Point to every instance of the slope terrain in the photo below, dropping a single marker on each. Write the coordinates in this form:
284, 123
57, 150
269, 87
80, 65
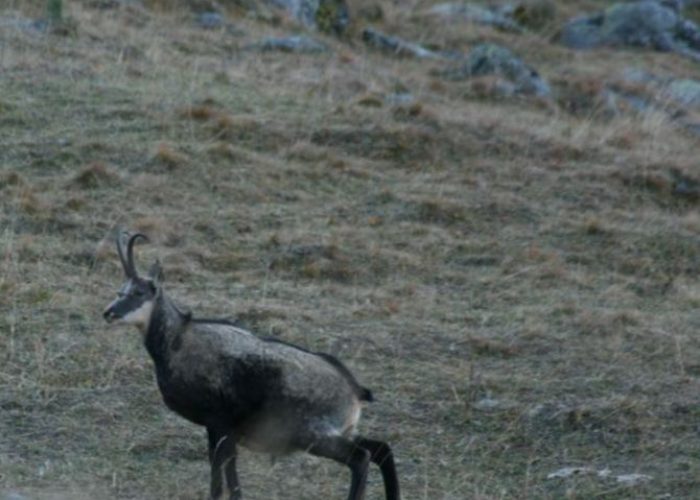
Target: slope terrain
514, 276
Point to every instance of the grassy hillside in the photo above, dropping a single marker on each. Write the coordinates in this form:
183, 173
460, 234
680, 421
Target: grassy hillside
517, 283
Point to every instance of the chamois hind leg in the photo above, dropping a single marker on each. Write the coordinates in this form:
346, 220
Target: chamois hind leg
344, 451
212, 440
224, 479
381, 454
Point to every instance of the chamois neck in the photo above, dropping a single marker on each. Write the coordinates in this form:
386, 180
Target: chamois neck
164, 329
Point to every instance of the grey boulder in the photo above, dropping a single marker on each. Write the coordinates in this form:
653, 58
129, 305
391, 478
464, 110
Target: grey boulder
647, 23
300, 44
490, 59
397, 46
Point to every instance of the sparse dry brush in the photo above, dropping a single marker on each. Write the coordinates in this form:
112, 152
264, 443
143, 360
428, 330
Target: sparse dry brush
515, 279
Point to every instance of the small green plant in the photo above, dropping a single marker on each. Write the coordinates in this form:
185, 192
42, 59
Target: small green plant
54, 10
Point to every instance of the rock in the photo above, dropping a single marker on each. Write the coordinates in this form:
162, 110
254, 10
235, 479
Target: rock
24, 24
62, 27
684, 186
694, 128
602, 474
397, 46
488, 404
475, 14
300, 44
636, 75
633, 479
490, 59
680, 91
210, 20
328, 16
530, 14
114, 4
400, 99
646, 23
567, 472
13, 495
684, 91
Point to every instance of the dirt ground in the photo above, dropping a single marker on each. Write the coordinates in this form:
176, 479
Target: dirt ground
516, 283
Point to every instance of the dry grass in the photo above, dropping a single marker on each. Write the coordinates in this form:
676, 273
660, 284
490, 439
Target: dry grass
515, 281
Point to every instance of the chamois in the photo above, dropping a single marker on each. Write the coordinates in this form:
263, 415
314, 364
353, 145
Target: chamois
263, 394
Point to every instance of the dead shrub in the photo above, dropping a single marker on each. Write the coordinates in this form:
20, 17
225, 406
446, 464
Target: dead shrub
167, 157
95, 175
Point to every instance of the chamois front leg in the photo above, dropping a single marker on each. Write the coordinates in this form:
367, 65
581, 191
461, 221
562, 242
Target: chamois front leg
224, 478
346, 452
382, 455
212, 440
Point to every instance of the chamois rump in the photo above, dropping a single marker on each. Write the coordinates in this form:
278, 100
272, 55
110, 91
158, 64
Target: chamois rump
262, 394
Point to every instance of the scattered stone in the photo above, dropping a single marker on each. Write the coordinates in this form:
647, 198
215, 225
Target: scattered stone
24, 24
487, 404
211, 20
646, 23
603, 474
491, 404
477, 14
631, 90
684, 186
490, 59
397, 46
693, 127
567, 472
684, 91
636, 75
113, 4
300, 44
62, 27
13, 495
633, 479
400, 99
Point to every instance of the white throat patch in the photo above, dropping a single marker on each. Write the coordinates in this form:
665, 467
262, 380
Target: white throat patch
140, 317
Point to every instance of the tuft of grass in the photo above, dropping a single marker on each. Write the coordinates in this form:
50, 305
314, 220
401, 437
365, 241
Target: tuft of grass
538, 15
54, 10
167, 157
12, 179
95, 175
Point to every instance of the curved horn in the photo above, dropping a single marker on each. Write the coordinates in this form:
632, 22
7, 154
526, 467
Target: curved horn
121, 236
130, 252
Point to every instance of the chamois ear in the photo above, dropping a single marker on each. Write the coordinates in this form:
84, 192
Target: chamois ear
155, 272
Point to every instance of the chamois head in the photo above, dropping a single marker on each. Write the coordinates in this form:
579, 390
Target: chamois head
136, 298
